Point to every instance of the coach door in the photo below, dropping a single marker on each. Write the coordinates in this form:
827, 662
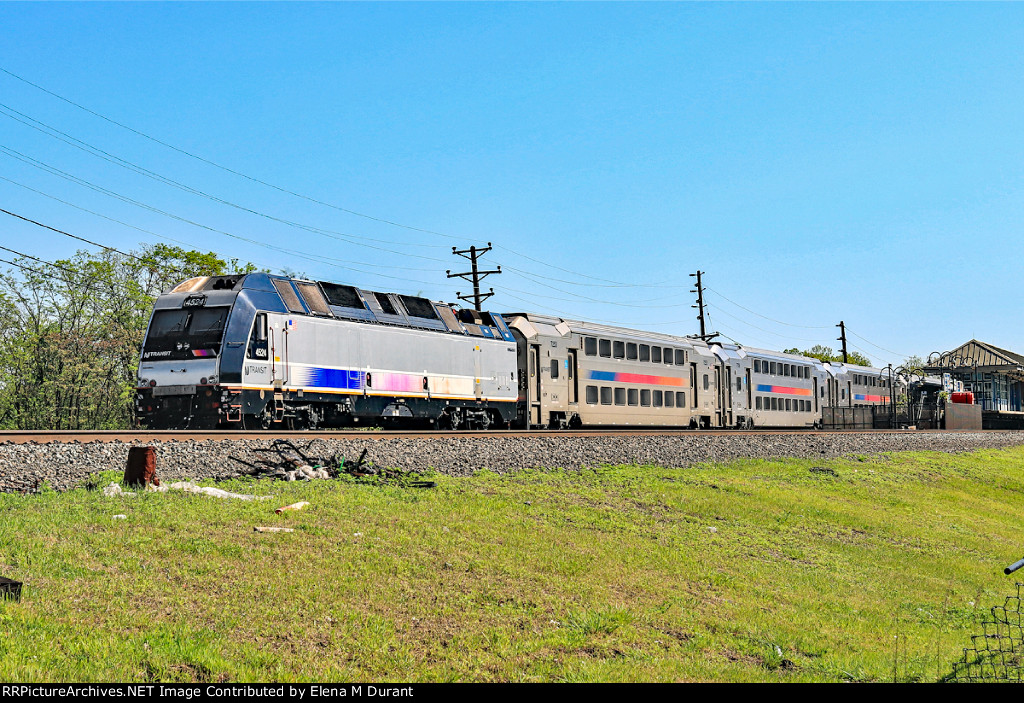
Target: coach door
725, 395
815, 394
574, 384
534, 384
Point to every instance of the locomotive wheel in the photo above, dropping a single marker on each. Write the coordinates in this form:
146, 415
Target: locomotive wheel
257, 423
454, 419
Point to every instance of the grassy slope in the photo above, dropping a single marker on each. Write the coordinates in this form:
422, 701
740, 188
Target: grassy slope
611, 574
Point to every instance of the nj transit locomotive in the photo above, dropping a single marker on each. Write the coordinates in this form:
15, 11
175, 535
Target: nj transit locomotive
260, 351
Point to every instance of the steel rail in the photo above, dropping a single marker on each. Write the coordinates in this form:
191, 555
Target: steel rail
84, 436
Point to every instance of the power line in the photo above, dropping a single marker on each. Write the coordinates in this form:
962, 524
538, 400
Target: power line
161, 236
779, 322
135, 168
100, 189
222, 167
890, 351
288, 191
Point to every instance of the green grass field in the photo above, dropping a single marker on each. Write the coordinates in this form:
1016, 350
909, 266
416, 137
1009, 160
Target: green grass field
749, 571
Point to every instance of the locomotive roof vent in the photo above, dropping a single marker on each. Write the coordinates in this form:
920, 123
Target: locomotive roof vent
208, 283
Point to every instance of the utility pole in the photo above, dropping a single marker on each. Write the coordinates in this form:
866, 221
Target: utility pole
842, 338
474, 276
700, 307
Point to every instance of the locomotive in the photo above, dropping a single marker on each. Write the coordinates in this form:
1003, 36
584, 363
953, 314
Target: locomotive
261, 351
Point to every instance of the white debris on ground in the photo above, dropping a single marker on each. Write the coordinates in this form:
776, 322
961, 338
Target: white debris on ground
114, 489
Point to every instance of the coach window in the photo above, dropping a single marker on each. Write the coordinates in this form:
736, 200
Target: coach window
618, 350
645, 352
789, 406
680, 357
554, 369
739, 384
590, 346
771, 368
592, 395
775, 403
658, 399
606, 395
680, 399
634, 396
645, 398
706, 384
668, 356
669, 399
631, 351
620, 396
655, 355
605, 346
757, 403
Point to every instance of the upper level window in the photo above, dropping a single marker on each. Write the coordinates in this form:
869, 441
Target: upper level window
656, 355
680, 357
619, 350
605, 346
631, 351
590, 346
645, 352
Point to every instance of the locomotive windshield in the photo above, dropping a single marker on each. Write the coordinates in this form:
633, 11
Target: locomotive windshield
185, 333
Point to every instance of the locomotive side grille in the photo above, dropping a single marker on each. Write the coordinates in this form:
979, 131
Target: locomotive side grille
291, 301
314, 298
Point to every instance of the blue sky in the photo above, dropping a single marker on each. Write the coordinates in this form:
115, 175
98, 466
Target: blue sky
820, 162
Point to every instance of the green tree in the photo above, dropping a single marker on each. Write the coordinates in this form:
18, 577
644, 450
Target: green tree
825, 354
72, 331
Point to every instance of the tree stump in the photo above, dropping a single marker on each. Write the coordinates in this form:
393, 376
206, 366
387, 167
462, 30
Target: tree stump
141, 468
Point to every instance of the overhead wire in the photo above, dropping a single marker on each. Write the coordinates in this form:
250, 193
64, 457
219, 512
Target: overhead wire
321, 258
308, 198
780, 322
157, 234
131, 166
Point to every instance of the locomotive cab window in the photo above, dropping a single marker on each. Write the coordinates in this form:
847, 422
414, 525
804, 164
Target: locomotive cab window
258, 339
174, 334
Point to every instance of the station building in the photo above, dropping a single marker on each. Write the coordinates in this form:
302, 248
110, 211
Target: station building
994, 375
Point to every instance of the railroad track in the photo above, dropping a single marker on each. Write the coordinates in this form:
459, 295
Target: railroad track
83, 436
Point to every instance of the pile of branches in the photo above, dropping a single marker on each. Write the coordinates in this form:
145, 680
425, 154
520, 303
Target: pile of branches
293, 463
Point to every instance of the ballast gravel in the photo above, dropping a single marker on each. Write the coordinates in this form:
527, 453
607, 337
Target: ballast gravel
26, 467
